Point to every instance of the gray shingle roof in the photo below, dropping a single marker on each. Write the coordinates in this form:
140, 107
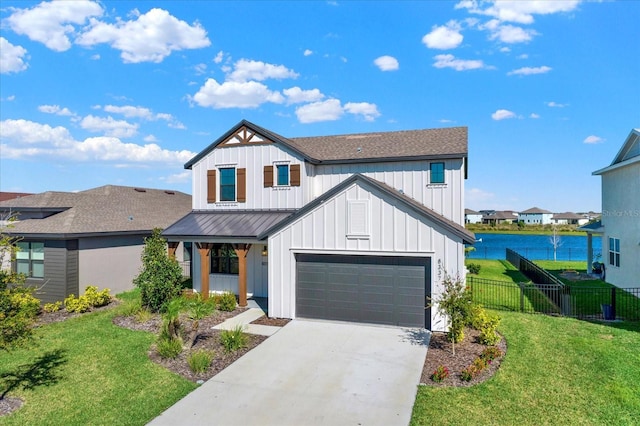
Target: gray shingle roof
106, 209
402, 145
536, 210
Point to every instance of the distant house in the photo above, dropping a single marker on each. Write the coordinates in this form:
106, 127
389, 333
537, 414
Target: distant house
569, 218
472, 216
94, 237
535, 216
500, 216
4, 196
621, 214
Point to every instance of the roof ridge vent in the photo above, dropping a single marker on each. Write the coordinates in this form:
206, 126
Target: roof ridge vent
139, 189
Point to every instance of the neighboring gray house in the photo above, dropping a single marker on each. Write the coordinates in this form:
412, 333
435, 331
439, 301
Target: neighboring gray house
94, 237
358, 227
620, 223
535, 216
472, 216
569, 218
494, 217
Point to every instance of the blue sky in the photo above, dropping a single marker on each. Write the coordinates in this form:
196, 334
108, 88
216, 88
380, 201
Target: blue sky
125, 92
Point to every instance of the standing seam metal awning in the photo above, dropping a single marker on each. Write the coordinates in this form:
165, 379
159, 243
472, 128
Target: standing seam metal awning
229, 223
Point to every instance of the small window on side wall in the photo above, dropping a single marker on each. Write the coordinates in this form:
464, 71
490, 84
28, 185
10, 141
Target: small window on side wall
282, 171
227, 184
614, 251
437, 173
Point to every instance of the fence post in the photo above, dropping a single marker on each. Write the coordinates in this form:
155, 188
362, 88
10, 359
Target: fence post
521, 285
613, 302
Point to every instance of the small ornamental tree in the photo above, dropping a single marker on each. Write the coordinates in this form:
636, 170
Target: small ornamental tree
18, 306
454, 302
160, 278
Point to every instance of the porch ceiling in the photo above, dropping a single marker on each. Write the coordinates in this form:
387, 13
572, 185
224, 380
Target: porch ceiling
228, 224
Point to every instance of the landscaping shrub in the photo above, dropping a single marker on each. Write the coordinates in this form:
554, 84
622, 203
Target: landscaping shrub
169, 347
131, 307
227, 301
200, 360
454, 302
143, 315
161, 276
77, 304
488, 329
491, 353
25, 302
97, 298
468, 373
18, 309
474, 268
440, 373
234, 339
52, 307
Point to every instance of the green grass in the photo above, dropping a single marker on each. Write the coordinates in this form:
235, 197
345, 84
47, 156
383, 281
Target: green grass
499, 270
557, 371
91, 372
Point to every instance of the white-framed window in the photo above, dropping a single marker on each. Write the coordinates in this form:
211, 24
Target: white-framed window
30, 259
437, 173
358, 219
614, 251
283, 176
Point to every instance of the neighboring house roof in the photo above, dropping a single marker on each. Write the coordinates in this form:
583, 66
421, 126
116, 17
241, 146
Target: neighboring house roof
363, 147
420, 209
469, 211
225, 224
501, 215
4, 196
105, 210
593, 227
567, 216
536, 210
628, 154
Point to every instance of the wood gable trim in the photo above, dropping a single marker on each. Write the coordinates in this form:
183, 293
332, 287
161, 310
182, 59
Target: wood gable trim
245, 136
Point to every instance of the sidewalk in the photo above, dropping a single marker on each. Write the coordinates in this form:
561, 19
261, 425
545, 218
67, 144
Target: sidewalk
244, 319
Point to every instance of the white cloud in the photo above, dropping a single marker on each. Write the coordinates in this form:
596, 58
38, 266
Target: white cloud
55, 109
511, 34
183, 177
553, 104
518, 11
444, 37
95, 57
42, 140
446, 120
450, 61
245, 70
233, 94
478, 196
12, 58
329, 110
308, 52
387, 63
296, 95
505, 49
150, 138
523, 56
200, 69
51, 23
149, 38
503, 114
534, 115
593, 139
130, 111
368, 111
219, 57
530, 70
109, 126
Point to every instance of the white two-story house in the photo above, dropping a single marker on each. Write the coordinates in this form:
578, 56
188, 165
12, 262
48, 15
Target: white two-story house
359, 227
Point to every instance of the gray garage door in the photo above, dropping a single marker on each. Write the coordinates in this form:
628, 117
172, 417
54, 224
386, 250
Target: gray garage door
372, 289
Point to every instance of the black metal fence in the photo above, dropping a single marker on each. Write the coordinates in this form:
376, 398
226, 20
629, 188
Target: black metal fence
577, 302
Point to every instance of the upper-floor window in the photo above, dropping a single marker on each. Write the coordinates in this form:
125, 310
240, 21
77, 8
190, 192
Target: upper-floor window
437, 172
224, 259
282, 171
30, 259
227, 184
614, 251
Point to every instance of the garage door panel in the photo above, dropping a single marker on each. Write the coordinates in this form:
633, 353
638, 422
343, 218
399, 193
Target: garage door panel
380, 290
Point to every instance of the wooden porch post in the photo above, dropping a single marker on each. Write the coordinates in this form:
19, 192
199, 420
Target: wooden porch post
241, 251
204, 249
173, 246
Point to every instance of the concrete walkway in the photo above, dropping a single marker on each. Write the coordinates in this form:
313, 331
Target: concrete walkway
244, 319
313, 373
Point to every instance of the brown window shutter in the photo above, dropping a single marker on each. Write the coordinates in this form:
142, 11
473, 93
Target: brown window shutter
211, 186
294, 178
268, 176
241, 182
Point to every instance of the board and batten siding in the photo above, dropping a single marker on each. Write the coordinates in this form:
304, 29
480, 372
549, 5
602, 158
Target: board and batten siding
256, 275
410, 177
253, 158
394, 230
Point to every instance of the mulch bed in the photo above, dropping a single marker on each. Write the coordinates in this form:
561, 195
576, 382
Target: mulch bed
469, 349
274, 322
44, 318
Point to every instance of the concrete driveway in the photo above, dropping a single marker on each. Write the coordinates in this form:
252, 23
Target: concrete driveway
313, 373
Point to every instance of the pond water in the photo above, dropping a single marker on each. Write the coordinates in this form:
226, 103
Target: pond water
534, 247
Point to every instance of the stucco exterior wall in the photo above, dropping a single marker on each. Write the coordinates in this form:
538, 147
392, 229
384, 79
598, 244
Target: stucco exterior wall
621, 219
394, 230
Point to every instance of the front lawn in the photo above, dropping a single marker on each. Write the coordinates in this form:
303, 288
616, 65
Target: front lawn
556, 371
87, 371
